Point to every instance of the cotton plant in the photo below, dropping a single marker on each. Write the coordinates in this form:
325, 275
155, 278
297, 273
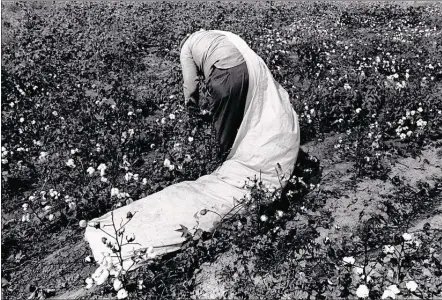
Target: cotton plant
111, 264
131, 176
372, 272
40, 206
115, 193
169, 165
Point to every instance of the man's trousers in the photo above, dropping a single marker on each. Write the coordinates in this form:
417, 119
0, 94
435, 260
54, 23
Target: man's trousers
228, 93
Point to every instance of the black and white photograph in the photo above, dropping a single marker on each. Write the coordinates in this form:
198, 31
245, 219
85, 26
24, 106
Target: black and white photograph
165, 149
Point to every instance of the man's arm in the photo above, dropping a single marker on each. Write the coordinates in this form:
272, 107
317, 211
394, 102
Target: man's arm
190, 75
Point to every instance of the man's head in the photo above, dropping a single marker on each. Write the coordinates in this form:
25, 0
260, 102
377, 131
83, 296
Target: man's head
176, 51
183, 41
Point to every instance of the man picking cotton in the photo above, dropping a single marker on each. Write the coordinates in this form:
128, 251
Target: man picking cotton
266, 145
213, 56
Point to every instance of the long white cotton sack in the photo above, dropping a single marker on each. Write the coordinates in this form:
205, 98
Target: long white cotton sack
268, 135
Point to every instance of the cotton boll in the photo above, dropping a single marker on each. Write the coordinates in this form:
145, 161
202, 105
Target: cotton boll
407, 237
411, 286
264, 218
388, 249
122, 294
394, 289
349, 260
388, 295
167, 163
362, 291
118, 285
89, 283
90, 171
114, 192
100, 275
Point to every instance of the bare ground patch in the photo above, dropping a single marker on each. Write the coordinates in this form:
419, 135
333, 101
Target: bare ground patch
348, 202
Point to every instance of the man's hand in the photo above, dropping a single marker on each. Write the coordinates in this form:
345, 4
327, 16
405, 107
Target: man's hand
190, 102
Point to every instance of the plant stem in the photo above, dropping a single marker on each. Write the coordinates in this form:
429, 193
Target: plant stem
130, 244
106, 233
127, 221
120, 258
